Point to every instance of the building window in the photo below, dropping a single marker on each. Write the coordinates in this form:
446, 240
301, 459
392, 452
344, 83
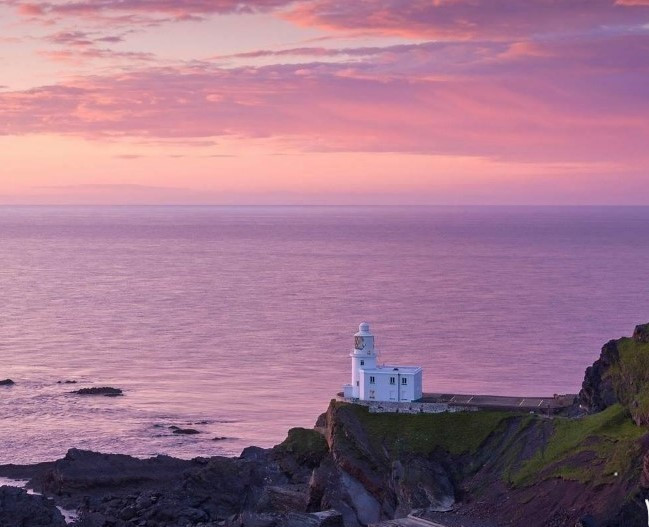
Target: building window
372, 380
391, 380
371, 394
362, 363
357, 383
404, 380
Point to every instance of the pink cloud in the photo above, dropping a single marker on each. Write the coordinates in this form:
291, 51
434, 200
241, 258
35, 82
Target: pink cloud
76, 55
470, 19
552, 101
81, 38
141, 11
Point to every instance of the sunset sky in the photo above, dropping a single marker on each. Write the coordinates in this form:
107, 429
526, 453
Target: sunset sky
324, 101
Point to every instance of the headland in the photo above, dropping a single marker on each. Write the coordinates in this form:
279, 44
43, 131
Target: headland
587, 464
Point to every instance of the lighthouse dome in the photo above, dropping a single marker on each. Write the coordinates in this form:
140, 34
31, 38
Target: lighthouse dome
363, 329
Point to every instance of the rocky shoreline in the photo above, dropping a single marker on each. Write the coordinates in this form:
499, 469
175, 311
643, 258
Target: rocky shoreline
589, 467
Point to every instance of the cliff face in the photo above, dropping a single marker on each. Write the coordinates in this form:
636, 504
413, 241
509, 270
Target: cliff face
500, 468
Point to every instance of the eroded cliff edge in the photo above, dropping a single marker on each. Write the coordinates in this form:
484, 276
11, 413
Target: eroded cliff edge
589, 467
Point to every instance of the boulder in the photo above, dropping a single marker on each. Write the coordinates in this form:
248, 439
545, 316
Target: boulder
7, 382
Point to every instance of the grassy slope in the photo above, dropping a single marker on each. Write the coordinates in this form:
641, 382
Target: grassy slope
610, 435
457, 433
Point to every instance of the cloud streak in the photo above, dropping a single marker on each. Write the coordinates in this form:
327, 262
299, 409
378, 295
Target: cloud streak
138, 11
471, 19
490, 100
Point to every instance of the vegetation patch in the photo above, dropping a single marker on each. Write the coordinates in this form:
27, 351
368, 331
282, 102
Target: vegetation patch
630, 377
457, 432
611, 436
307, 445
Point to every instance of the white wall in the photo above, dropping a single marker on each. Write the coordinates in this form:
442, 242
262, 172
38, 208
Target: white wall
382, 390
360, 362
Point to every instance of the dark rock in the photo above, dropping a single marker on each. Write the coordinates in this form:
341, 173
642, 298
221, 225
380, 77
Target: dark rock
106, 391
586, 521
7, 382
184, 431
82, 471
222, 438
597, 391
66, 382
17, 508
641, 333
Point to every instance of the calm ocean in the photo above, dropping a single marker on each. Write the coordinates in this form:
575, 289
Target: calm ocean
238, 321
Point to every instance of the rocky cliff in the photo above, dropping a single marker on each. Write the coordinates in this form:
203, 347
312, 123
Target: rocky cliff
589, 467
620, 375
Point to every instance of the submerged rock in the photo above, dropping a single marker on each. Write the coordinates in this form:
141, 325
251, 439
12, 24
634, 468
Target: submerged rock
106, 391
17, 508
7, 382
184, 431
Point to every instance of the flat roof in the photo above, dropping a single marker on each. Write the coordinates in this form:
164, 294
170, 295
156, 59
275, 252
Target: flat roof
393, 369
512, 402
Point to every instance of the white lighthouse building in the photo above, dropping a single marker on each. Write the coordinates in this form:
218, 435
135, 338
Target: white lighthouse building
373, 382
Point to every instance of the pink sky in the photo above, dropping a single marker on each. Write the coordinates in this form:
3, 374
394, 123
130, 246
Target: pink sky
324, 101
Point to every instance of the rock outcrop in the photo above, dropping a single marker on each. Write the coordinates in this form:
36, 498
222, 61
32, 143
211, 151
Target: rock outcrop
597, 391
19, 509
620, 375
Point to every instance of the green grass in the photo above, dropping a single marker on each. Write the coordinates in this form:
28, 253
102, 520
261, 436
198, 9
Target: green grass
610, 435
630, 377
457, 433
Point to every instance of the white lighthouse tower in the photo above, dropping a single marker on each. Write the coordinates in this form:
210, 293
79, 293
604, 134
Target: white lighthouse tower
374, 382
363, 356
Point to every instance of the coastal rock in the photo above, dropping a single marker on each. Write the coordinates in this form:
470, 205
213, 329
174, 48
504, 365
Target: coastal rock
619, 376
106, 391
597, 391
641, 333
328, 518
7, 382
17, 508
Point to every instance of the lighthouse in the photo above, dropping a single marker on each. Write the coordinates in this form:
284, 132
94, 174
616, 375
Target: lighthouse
363, 356
374, 382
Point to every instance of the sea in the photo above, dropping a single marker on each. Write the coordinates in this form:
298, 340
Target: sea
238, 321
